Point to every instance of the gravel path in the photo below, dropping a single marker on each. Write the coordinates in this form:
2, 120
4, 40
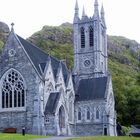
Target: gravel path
54, 138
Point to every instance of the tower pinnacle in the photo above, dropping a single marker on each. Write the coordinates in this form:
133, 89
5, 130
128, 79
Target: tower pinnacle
76, 6
83, 14
102, 10
96, 11
76, 15
102, 16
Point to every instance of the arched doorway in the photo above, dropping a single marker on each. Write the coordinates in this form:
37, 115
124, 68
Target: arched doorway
62, 125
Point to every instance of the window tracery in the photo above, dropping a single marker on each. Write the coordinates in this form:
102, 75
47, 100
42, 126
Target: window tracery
13, 90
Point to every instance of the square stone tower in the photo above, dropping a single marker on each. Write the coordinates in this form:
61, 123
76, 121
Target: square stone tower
90, 44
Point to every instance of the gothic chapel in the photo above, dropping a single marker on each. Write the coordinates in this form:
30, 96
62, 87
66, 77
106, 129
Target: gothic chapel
39, 92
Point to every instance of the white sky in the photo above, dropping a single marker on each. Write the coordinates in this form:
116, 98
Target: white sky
29, 16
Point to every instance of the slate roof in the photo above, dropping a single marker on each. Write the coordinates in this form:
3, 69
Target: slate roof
52, 103
39, 58
90, 89
135, 130
42, 66
65, 72
36, 55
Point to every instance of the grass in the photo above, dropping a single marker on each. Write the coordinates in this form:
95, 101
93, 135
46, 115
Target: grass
19, 137
106, 138
31, 137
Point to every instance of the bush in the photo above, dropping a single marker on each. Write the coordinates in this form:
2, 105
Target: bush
126, 130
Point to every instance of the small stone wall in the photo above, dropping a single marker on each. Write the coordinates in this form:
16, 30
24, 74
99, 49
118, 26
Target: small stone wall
88, 129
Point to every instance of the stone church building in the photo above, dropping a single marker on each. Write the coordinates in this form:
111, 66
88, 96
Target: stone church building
39, 92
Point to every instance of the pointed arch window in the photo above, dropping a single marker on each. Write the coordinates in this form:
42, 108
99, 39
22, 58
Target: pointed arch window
79, 114
97, 114
12, 90
91, 36
88, 114
82, 37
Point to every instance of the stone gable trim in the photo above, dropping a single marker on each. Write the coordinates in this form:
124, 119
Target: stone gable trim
49, 64
60, 76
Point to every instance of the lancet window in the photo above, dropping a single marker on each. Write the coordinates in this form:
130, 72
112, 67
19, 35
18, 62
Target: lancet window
91, 36
82, 37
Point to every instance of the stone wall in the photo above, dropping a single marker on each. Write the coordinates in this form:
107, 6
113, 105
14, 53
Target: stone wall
94, 126
51, 126
89, 129
12, 120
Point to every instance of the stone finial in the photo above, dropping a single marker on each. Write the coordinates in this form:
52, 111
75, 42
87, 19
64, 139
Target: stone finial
103, 15
102, 10
76, 6
12, 26
96, 3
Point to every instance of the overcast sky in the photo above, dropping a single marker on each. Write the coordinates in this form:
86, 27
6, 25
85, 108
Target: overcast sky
29, 16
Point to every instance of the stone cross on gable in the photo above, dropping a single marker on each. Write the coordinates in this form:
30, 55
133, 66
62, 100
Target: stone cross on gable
12, 26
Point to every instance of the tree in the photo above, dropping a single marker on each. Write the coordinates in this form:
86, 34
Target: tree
133, 98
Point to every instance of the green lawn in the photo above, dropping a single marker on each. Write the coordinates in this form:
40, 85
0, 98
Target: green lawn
106, 138
19, 137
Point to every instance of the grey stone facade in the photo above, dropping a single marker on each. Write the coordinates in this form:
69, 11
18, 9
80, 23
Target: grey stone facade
22, 64
38, 92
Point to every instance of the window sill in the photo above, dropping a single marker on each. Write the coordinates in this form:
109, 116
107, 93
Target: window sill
21, 109
87, 121
79, 121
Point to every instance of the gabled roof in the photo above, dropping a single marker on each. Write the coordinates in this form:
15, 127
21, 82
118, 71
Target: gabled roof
52, 103
36, 55
90, 89
39, 58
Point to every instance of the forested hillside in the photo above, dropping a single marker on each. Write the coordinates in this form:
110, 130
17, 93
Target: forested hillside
4, 30
124, 58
